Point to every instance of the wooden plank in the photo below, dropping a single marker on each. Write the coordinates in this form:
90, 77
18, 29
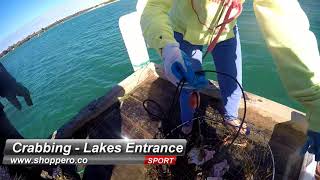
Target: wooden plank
128, 172
148, 83
284, 127
138, 123
259, 107
101, 104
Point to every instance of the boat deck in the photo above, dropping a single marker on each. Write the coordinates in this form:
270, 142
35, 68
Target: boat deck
120, 113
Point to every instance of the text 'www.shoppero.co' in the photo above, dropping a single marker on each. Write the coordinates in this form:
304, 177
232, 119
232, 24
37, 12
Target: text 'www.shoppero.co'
93, 151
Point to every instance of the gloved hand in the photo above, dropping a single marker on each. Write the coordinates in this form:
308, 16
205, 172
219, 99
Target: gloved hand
19, 90
312, 144
10, 89
178, 66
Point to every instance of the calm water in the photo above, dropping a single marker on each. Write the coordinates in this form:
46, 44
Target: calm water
79, 60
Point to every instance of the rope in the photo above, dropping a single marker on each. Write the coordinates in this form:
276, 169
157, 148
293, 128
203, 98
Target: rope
169, 115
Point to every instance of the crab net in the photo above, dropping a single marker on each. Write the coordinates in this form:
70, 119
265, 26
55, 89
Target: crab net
248, 157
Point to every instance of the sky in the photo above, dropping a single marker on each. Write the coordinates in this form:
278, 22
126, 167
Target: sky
19, 18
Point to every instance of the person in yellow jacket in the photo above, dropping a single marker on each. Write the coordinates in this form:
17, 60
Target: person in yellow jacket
180, 28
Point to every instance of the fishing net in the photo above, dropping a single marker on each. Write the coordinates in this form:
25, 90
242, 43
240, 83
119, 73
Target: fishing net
249, 157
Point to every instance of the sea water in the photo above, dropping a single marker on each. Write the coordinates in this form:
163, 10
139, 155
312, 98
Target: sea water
81, 59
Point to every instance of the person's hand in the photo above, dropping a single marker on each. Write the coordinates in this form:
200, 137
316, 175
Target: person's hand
312, 144
175, 66
178, 66
200, 80
18, 90
10, 89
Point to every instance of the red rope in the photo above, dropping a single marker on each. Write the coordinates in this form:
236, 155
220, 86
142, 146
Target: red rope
208, 27
227, 19
235, 4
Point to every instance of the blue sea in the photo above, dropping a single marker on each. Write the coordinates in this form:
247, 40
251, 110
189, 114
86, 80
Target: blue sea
81, 59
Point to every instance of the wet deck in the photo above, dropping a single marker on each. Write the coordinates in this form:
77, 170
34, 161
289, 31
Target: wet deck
120, 113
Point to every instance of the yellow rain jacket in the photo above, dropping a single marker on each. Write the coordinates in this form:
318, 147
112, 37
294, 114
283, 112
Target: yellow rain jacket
285, 28
195, 19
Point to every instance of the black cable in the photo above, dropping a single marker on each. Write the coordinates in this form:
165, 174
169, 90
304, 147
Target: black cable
244, 102
159, 107
175, 98
167, 116
173, 103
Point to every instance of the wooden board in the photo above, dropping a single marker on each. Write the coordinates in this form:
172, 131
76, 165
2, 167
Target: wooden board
120, 113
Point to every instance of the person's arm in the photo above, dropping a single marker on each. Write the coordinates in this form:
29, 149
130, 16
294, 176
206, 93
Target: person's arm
294, 48
10, 89
158, 34
155, 24
6, 81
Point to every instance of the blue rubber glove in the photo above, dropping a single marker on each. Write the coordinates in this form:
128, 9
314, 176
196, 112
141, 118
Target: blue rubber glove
312, 144
178, 66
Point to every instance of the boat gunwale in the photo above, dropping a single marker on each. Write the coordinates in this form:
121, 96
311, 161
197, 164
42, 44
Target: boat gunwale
256, 105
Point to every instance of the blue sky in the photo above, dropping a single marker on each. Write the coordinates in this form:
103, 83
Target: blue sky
16, 13
19, 18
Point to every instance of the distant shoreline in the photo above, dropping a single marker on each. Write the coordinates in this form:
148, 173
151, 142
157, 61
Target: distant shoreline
42, 30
